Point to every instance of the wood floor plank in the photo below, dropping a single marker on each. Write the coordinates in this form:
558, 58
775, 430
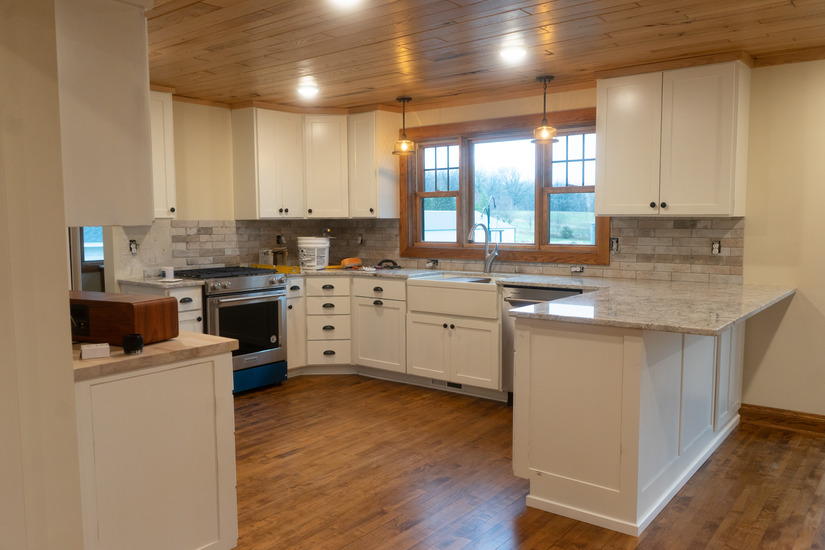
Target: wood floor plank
352, 463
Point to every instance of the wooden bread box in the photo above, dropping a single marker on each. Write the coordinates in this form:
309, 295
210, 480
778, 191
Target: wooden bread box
107, 316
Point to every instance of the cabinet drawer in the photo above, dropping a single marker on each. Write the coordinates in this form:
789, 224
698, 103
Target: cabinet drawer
328, 327
337, 305
376, 287
295, 287
333, 352
189, 299
191, 321
327, 286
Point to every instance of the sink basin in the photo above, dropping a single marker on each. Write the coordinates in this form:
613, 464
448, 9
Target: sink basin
458, 279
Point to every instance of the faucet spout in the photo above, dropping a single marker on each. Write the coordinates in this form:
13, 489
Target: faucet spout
489, 257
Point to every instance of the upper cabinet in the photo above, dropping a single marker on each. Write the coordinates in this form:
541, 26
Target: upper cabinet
325, 166
267, 149
373, 170
673, 142
103, 81
163, 154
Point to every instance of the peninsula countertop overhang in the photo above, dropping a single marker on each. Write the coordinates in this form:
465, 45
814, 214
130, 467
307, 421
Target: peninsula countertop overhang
694, 308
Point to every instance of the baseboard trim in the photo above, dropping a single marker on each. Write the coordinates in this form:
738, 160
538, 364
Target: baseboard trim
783, 419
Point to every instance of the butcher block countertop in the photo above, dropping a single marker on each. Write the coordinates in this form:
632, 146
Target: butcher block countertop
188, 345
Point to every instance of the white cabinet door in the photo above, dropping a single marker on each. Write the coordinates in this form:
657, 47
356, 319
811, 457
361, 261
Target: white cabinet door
103, 84
475, 353
380, 333
699, 140
267, 148
428, 342
373, 169
296, 332
157, 455
628, 130
163, 154
325, 166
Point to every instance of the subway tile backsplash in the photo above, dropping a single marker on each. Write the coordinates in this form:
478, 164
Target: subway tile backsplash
671, 249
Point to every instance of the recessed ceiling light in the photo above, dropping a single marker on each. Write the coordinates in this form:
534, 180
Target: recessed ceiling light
346, 3
513, 54
308, 90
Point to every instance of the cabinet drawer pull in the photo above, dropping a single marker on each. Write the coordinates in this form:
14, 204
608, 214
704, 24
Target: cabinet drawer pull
199, 319
652, 204
186, 300
663, 205
377, 303
289, 307
295, 287
452, 326
328, 327
328, 287
378, 289
445, 325
329, 352
328, 305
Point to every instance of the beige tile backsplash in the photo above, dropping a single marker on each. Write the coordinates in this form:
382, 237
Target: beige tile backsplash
677, 249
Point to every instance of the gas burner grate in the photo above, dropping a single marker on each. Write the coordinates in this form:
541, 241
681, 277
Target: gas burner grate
222, 272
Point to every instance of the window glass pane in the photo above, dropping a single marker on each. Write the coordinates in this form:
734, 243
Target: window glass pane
590, 172
429, 157
441, 180
438, 219
559, 150
92, 244
590, 146
559, 174
504, 180
571, 218
575, 147
454, 159
441, 158
429, 180
575, 173
453, 186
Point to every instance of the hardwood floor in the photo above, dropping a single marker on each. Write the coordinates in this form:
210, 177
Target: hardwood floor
347, 462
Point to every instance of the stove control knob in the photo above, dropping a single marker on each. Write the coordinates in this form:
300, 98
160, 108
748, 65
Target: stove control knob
216, 286
274, 281
227, 284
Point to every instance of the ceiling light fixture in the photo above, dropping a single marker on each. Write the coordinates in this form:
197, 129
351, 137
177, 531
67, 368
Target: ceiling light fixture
307, 90
512, 54
404, 146
544, 133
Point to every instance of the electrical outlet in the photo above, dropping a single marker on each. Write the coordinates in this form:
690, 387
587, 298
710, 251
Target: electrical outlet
715, 247
133, 246
614, 244
577, 269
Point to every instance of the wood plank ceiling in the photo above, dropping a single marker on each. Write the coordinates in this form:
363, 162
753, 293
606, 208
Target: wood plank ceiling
446, 52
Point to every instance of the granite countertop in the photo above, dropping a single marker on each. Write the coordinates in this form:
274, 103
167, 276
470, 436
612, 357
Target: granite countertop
188, 345
695, 308
157, 282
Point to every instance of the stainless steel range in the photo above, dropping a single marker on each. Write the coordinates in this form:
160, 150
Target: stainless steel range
249, 305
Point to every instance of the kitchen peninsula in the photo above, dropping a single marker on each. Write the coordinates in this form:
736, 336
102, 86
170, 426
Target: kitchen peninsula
622, 393
157, 445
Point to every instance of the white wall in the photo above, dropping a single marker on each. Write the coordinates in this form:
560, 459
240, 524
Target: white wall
39, 470
203, 162
785, 237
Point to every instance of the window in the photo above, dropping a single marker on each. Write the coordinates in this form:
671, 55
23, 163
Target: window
536, 199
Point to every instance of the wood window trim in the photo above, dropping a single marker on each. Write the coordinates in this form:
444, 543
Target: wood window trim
588, 255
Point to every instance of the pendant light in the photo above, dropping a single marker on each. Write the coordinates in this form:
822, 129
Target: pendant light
404, 146
544, 133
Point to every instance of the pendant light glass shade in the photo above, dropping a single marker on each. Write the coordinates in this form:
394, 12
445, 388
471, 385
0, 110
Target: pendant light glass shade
404, 146
544, 133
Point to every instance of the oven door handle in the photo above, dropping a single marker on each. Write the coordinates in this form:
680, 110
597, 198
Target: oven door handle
250, 299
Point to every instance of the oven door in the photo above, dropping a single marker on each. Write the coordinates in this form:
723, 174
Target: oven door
256, 320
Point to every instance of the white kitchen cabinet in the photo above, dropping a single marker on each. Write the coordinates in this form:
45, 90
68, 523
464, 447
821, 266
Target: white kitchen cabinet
673, 142
609, 423
326, 166
157, 456
379, 311
267, 164
296, 323
373, 169
328, 329
103, 86
455, 349
163, 154
190, 302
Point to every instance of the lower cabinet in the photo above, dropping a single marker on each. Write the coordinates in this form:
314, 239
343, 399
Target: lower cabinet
157, 457
328, 320
464, 351
380, 339
296, 323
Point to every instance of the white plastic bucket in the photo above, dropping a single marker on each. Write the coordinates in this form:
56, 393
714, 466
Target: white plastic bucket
313, 252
